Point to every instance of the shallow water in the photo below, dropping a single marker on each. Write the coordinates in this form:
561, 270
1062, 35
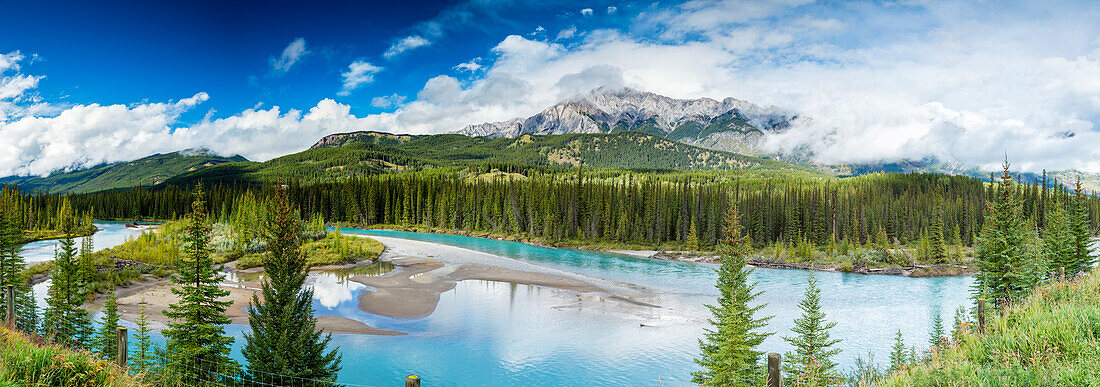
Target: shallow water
110, 234
492, 333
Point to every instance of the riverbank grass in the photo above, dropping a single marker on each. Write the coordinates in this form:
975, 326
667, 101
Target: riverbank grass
1052, 338
25, 362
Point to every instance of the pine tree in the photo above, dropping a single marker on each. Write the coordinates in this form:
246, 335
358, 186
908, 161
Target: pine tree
936, 337
898, 358
143, 359
1059, 246
691, 242
811, 362
728, 351
1005, 247
107, 345
64, 320
11, 271
937, 250
196, 340
284, 338
1083, 259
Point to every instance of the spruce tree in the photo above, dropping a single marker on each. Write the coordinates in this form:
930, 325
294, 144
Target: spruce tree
937, 250
1059, 246
691, 242
1005, 247
11, 271
937, 335
1083, 259
196, 340
898, 358
143, 358
65, 321
107, 345
284, 338
811, 363
729, 354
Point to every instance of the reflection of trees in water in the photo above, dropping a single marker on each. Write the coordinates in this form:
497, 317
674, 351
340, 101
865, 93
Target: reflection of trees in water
334, 287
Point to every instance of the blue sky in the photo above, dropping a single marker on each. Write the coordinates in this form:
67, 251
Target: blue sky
84, 84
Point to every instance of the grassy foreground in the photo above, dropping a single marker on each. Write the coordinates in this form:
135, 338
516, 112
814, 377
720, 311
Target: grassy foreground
23, 362
1052, 338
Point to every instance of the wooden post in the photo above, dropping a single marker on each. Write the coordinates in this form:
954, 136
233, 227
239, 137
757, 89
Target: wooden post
981, 315
1062, 272
773, 370
412, 381
11, 306
123, 350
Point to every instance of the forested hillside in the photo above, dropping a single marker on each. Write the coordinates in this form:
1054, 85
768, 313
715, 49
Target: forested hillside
147, 171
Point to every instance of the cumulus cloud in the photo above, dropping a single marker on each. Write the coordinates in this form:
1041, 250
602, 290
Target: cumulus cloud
291, 54
472, 66
386, 102
358, 74
405, 44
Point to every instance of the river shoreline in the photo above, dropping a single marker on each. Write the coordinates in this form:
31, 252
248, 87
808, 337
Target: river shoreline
915, 271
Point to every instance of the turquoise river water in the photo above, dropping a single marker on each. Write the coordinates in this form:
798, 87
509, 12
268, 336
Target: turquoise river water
492, 333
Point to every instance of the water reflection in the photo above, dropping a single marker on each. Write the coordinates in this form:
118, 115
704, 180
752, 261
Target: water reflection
330, 288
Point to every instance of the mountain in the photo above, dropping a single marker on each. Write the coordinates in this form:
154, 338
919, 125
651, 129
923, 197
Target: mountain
147, 171
730, 125
348, 155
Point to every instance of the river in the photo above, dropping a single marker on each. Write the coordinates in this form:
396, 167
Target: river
492, 333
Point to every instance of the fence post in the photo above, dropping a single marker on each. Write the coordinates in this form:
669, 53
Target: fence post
1062, 272
412, 381
11, 306
123, 350
981, 315
773, 370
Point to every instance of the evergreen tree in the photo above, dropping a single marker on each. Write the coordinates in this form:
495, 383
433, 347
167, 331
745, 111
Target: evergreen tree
728, 351
107, 345
1083, 259
143, 357
284, 338
196, 339
1059, 246
936, 337
1005, 247
937, 250
811, 363
65, 321
11, 271
691, 242
961, 326
898, 358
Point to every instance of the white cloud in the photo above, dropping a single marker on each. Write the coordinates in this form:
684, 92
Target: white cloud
472, 66
612, 9
567, 33
291, 54
405, 44
358, 74
586, 12
386, 102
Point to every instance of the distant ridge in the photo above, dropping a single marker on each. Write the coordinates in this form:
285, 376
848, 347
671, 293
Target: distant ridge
147, 171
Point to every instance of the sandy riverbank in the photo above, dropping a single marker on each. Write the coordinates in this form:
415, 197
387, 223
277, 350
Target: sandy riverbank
427, 270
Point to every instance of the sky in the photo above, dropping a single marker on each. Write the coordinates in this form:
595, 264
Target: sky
86, 83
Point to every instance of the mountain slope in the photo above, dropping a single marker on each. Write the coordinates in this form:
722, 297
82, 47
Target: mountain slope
347, 155
730, 124
147, 171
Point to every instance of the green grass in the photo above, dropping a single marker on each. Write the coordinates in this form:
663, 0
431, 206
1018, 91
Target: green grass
24, 362
1052, 338
333, 249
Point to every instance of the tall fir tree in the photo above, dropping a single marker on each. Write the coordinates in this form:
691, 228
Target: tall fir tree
729, 354
284, 338
898, 358
1083, 258
938, 334
196, 340
811, 363
937, 249
107, 343
143, 353
1005, 247
64, 320
1059, 246
11, 271
691, 242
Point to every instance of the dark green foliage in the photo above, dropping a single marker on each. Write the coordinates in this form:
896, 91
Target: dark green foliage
64, 321
937, 248
11, 271
811, 363
938, 334
143, 354
1059, 246
1083, 258
284, 339
146, 171
196, 338
898, 356
1006, 247
107, 342
729, 354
